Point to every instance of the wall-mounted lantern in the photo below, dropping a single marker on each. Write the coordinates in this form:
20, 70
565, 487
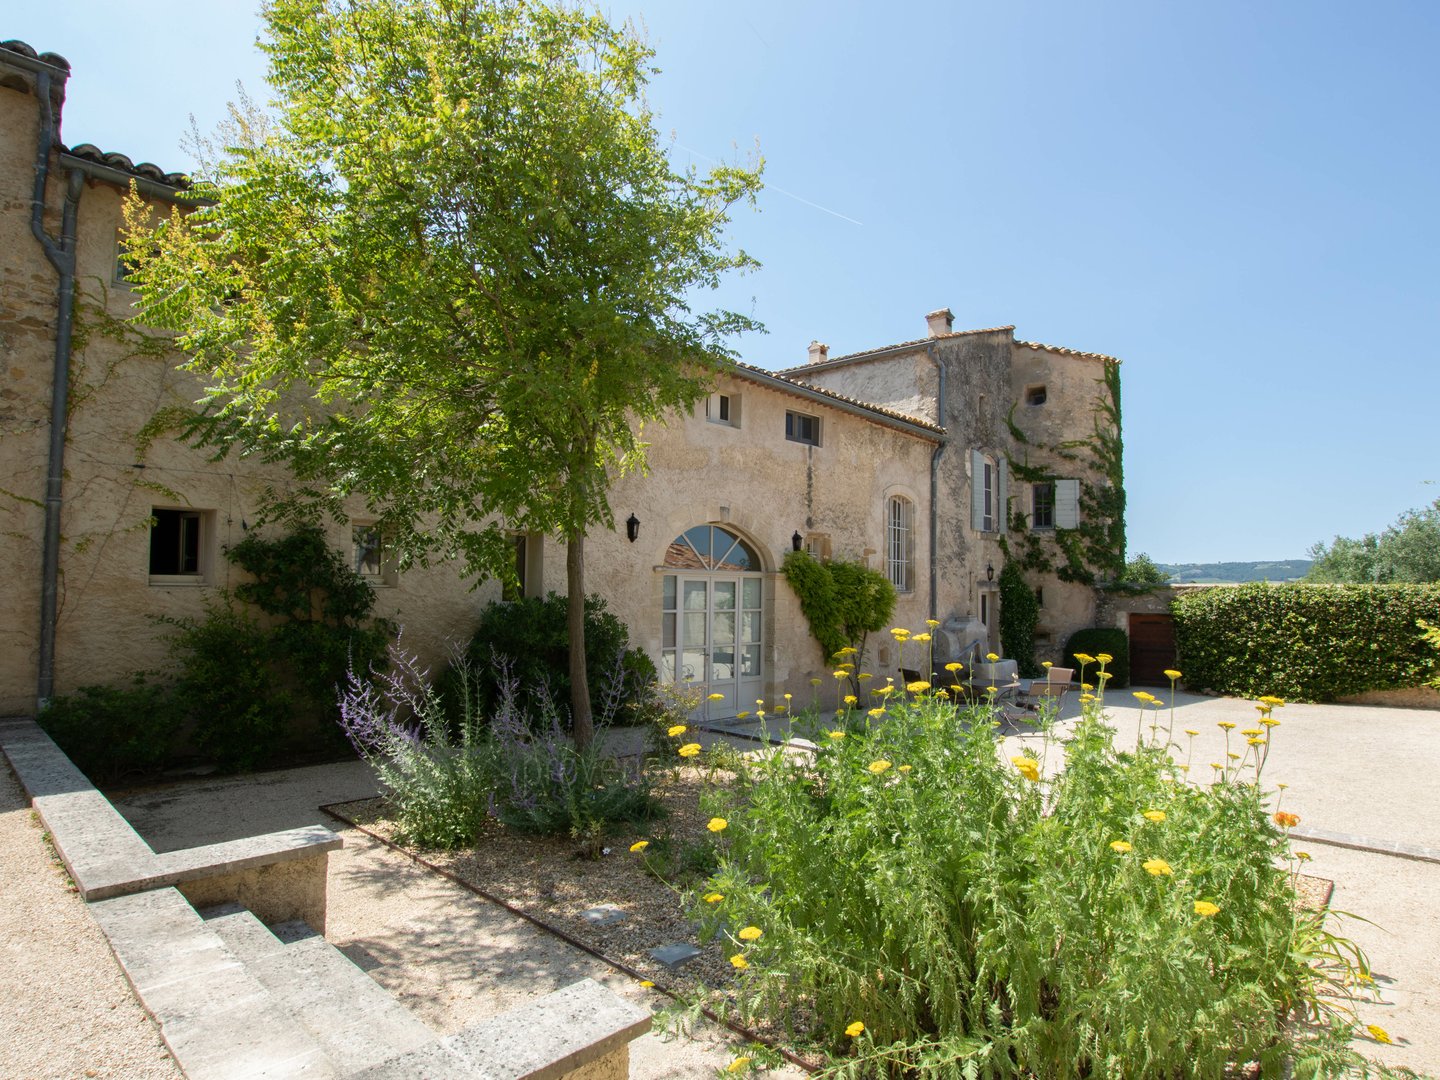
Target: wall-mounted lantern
989, 572
632, 528
796, 541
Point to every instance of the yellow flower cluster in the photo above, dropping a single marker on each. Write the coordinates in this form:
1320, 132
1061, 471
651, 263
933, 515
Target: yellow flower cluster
678, 729
689, 750
750, 933
1157, 868
714, 897
1154, 815
878, 767
855, 1030
917, 687
1206, 909
1028, 767
717, 824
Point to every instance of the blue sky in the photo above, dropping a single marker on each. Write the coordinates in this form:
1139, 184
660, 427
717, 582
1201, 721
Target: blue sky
1239, 200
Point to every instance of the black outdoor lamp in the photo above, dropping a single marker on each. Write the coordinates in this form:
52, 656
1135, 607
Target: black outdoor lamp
989, 571
796, 541
632, 528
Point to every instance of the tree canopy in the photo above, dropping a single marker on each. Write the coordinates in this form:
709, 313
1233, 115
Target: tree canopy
1407, 552
450, 271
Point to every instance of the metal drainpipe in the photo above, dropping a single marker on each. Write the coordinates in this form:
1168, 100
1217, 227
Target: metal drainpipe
935, 481
62, 257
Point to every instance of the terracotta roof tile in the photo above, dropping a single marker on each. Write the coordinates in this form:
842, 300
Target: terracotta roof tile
1069, 352
865, 353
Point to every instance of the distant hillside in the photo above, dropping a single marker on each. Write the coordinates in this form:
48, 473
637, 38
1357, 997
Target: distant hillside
1221, 572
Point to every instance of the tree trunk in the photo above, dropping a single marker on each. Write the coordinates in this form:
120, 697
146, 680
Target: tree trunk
583, 720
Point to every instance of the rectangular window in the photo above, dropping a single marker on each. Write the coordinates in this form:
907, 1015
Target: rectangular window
1042, 505
988, 496
723, 409
368, 548
177, 543
802, 428
897, 544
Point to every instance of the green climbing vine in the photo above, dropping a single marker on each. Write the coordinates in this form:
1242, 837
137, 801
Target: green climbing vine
1095, 549
844, 603
1019, 615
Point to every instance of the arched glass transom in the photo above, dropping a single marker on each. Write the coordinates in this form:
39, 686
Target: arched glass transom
711, 547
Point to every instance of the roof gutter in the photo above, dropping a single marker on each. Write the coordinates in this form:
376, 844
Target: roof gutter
119, 177
61, 256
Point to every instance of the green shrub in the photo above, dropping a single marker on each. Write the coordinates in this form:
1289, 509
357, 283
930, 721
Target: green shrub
115, 733
1095, 640
531, 638
981, 918
843, 602
1306, 642
449, 767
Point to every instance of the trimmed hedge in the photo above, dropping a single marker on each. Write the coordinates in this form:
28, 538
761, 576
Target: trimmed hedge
1094, 640
1306, 642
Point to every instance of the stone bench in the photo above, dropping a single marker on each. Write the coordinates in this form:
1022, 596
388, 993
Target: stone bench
279, 876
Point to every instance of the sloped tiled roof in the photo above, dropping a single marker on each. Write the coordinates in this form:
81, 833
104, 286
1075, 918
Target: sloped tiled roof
798, 388
1069, 352
88, 152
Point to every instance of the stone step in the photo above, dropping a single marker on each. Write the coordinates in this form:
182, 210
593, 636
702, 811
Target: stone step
351, 1017
219, 1021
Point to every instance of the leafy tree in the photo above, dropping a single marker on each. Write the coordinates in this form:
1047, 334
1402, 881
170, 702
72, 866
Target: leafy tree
453, 274
1141, 571
1408, 552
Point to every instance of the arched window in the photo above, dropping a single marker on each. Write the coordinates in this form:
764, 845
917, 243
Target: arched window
899, 543
711, 547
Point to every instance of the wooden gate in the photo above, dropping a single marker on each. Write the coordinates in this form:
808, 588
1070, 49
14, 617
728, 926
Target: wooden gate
1152, 649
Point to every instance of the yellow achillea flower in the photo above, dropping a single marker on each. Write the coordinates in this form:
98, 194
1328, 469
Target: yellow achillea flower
788, 697
1085, 699
1206, 909
1228, 725
1233, 756
678, 729
741, 715
717, 824
840, 673
1256, 742
1138, 695
750, 933
1303, 856
954, 666
816, 682
1084, 658
689, 749
717, 697
1157, 868
1378, 1033
1171, 674
851, 699
864, 675
991, 657
760, 713
640, 845
1122, 846
646, 983
1268, 722
1087, 686
1104, 657
1216, 765
714, 897
1028, 767
1191, 732
1250, 732
1154, 815
917, 687
884, 691
904, 768
877, 713
878, 767
1111, 675
1046, 664
932, 623
899, 633
922, 638
1273, 702
739, 963
848, 650
836, 734
740, 1064
855, 1030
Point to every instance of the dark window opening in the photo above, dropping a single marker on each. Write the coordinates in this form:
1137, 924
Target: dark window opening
1035, 395
1042, 505
802, 429
175, 542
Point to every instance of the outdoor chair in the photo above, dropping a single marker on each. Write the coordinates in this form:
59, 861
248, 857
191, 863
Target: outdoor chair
1056, 685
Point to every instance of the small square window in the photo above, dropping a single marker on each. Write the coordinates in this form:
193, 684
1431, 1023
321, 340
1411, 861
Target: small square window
802, 428
178, 543
1035, 395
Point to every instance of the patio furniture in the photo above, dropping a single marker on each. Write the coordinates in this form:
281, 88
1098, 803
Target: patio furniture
1056, 685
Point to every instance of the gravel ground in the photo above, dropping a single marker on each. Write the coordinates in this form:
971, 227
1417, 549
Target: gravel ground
68, 1011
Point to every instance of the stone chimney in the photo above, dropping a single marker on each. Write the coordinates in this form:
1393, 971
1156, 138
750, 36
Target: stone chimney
940, 322
818, 353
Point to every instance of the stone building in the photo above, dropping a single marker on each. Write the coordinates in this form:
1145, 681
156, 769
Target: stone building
934, 461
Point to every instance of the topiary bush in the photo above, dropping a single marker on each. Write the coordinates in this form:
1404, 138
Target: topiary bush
530, 636
1306, 642
1095, 640
115, 733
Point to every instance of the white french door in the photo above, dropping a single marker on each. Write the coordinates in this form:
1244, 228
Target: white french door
711, 638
